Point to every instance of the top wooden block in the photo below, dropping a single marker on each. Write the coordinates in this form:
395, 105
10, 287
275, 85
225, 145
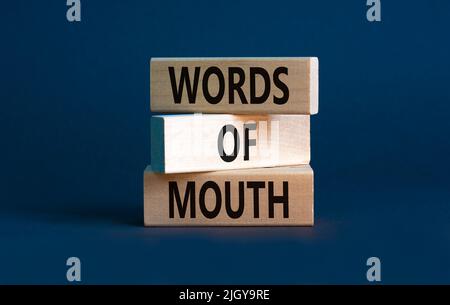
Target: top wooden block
235, 85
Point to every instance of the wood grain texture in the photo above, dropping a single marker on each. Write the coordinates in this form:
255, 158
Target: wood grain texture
191, 142
301, 79
281, 196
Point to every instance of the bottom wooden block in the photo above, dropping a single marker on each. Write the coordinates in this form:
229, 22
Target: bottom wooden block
279, 196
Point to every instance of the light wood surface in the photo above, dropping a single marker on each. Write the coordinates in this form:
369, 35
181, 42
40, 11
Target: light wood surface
281, 196
197, 142
284, 85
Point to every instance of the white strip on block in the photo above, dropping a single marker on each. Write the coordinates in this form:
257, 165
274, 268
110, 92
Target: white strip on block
195, 143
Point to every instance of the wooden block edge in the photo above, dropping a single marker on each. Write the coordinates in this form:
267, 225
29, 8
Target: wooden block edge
157, 145
314, 85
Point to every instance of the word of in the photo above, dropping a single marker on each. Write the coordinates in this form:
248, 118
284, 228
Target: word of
247, 142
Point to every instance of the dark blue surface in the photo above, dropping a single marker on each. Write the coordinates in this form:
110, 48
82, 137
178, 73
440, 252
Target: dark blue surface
75, 138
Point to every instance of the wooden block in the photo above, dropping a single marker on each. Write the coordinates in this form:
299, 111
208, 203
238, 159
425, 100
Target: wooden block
280, 196
235, 85
196, 142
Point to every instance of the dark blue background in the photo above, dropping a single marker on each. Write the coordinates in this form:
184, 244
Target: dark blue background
75, 138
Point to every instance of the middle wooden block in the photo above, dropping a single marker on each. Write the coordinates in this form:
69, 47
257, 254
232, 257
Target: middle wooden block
199, 142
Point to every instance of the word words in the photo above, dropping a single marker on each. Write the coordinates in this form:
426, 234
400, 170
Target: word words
233, 85
190, 196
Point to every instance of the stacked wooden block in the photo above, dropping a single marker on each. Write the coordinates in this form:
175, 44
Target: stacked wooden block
234, 148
